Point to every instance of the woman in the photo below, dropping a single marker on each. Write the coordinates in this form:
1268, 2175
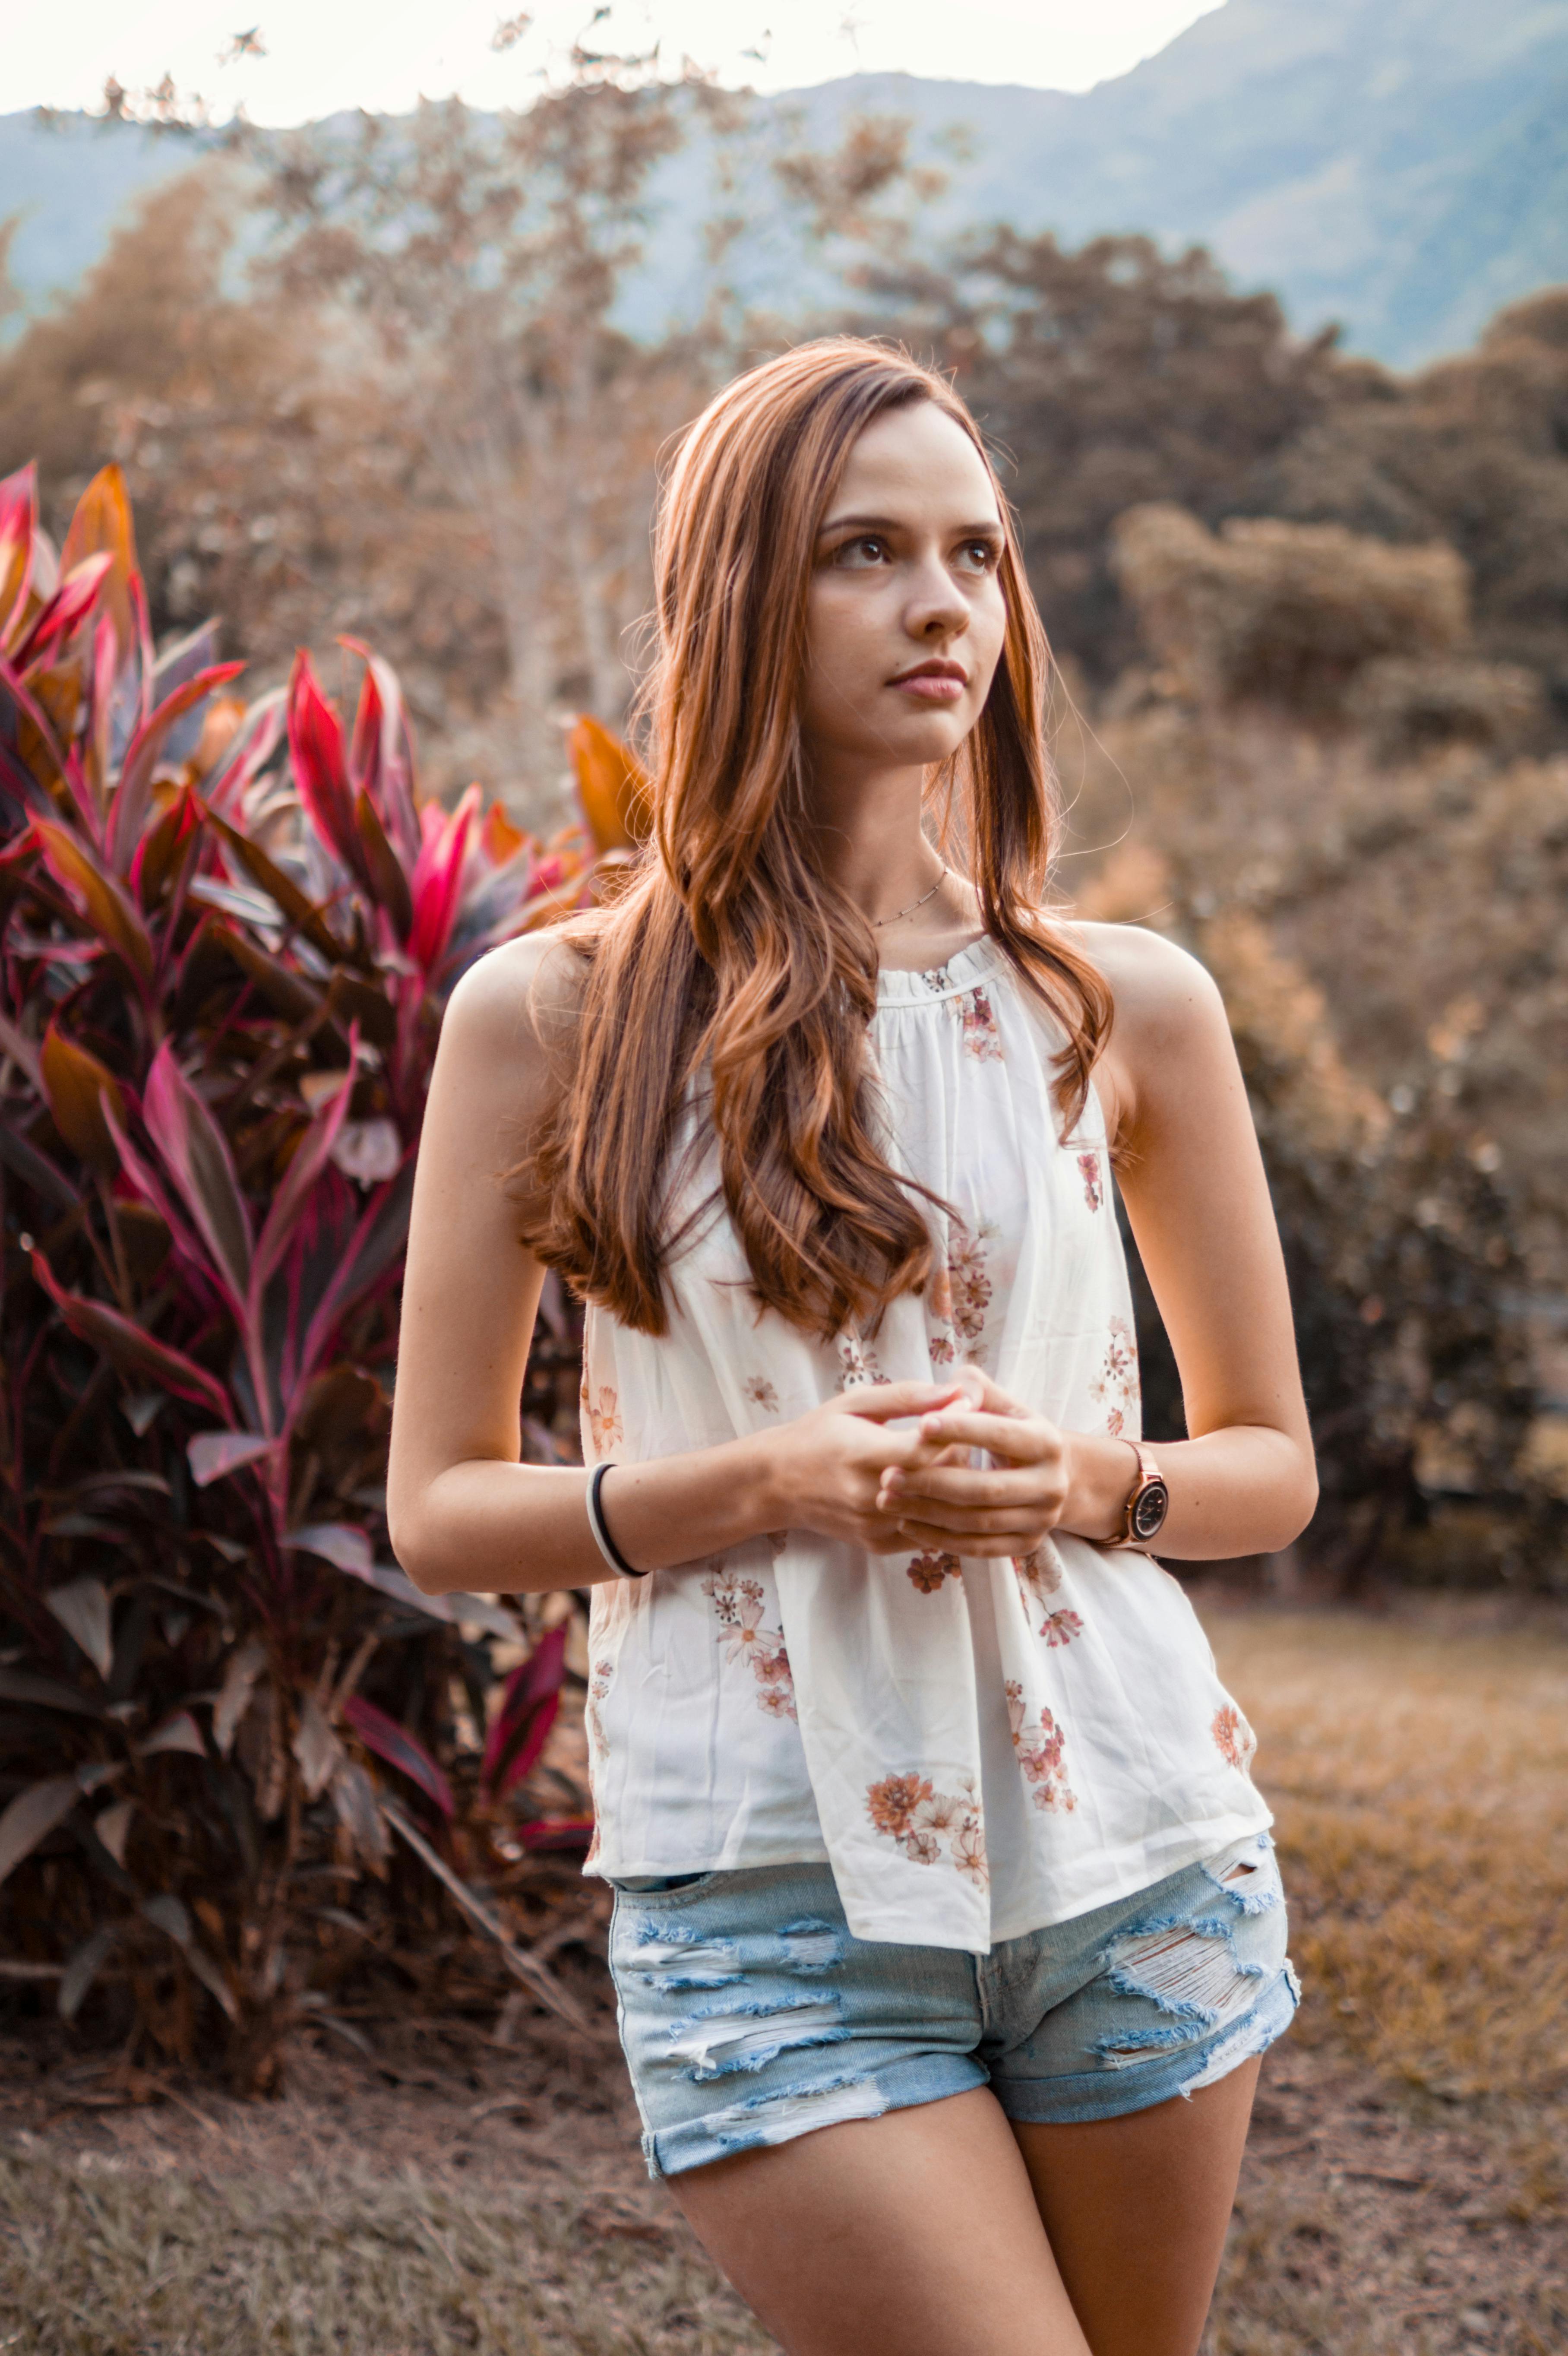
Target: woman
947, 1934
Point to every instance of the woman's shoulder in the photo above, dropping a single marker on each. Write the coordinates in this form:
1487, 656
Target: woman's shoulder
516, 1010
1168, 1014
1152, 979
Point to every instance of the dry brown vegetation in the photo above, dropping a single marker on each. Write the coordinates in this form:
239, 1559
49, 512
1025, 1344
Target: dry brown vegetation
456, 2188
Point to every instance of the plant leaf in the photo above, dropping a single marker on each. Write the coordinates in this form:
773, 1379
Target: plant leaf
102, 524
33, 1815
103, 897
281, 889
179, 1731
133, 795
321, 772
309, 1158
82, 1610
528, 1711
129, 1348
400, 1749
438, 874
611, 784
389, 886
213, 1455
315, 1747
36, 1170
44, 1692
84, 1963
196, 1155
359, 1811
18, 529
455, 1610
113, 1828
169, 1915
62, 613
77, 1089
239, 1676
339, 1543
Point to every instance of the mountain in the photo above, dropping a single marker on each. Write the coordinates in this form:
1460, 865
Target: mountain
1398, 165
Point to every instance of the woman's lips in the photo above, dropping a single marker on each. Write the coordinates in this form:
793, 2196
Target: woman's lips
931, 686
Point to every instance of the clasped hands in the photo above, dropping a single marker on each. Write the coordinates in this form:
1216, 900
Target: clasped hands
888, 1466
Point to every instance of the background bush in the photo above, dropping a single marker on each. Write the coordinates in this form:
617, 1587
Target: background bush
228, 933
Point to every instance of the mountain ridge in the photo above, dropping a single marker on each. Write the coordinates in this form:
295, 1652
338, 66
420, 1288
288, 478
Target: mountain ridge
1399, 167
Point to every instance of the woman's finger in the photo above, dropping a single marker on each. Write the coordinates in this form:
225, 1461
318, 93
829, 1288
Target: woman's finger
958, 1485
930, 1537
879, 1401
1025, 1439
956, 1523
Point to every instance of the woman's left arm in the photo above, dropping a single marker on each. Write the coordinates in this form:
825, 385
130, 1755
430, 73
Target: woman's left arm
1192, 1178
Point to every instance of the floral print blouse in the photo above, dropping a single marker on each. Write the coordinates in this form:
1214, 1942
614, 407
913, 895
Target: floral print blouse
978, 1748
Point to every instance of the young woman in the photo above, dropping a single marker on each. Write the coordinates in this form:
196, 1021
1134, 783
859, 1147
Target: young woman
948, 1932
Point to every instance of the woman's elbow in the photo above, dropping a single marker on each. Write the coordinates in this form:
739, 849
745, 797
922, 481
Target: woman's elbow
416, 1543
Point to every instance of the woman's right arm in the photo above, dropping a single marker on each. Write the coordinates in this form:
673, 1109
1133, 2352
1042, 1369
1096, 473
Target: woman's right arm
464, 1512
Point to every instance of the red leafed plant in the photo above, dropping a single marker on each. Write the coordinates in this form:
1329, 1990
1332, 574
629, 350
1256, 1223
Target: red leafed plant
228, 934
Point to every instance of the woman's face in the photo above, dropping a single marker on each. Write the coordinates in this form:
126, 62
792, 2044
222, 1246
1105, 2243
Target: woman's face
904, 617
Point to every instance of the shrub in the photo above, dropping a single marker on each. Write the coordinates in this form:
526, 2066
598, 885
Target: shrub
1282, 611
229, 932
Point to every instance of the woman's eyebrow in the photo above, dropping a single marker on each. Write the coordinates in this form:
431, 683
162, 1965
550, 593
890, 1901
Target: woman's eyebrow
989, 529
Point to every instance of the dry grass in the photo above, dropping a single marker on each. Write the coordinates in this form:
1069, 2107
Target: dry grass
103, 2260
1403, 2195
1419, 1771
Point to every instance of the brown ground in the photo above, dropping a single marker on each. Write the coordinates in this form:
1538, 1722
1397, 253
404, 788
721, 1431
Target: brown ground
1405, 2189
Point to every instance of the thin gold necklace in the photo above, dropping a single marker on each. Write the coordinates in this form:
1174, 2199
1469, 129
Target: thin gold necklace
878, 922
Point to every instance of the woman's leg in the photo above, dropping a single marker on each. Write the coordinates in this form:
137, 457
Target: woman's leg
911, 2234
1135, 2209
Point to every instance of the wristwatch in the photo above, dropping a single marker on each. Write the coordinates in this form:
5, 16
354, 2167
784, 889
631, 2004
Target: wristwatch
1148, 1501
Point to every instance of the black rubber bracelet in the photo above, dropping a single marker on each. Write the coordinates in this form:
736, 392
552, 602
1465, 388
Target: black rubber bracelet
601, 1528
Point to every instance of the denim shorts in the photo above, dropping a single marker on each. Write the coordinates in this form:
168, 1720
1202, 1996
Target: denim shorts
750, 2013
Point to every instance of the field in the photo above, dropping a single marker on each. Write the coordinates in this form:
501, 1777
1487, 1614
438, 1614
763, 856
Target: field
1405, 2194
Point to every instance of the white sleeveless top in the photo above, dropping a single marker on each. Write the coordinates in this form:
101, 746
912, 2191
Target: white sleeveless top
978, 1748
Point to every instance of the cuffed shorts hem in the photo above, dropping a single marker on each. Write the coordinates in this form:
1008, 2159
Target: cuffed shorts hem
762, 2119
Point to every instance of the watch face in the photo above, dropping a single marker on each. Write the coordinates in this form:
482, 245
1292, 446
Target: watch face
1151, 1509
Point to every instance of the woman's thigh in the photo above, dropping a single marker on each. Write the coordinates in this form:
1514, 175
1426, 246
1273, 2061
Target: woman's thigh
1135, 2210
912, 2235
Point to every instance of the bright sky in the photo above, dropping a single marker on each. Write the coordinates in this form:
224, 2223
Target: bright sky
323, 55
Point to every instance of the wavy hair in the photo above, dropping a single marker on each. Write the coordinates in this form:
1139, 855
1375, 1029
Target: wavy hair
730, 963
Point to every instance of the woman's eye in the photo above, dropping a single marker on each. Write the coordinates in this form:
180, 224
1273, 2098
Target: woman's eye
867, 549
979, 554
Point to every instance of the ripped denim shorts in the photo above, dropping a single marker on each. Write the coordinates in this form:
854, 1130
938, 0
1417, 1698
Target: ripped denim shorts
750, 2013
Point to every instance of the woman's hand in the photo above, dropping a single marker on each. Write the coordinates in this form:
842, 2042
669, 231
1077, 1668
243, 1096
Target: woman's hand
939, 1502
828, 1468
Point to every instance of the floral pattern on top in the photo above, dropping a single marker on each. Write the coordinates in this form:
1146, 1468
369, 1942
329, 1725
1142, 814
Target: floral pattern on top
599, 1683
931, 1825
761, 1392
858, 1362
1060, 1627
739, 1606
1234, 1738
1115, 1387
958, 1293
982, 1038
927, 1571
603, 1411
1039, 1574
1093, 1185
937, 979
1039, 1746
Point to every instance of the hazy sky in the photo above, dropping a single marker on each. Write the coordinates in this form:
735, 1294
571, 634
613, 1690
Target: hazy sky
322, 55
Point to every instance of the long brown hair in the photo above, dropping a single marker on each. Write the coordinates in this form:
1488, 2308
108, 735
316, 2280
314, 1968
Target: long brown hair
731, 961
